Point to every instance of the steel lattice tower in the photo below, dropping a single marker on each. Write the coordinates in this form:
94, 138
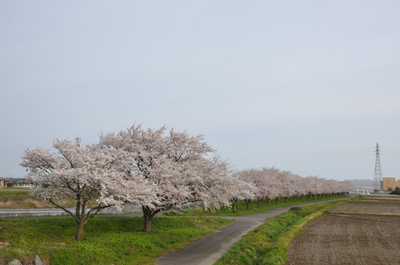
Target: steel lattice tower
78, 141
378, 171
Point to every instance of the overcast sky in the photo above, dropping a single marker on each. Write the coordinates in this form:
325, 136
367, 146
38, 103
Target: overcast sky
305, 86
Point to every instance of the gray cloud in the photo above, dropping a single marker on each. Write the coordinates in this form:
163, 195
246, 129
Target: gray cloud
298, 85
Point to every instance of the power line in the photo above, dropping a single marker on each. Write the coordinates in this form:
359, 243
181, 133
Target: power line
300, 157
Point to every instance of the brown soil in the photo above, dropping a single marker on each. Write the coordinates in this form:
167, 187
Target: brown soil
25, 204
367, 208
337, 238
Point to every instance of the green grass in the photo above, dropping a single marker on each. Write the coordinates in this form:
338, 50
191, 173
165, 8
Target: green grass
14, 194
106, 240
20, 198
242, 207
269, 243
121, 240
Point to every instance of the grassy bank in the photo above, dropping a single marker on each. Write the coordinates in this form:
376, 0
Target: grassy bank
269, 243
254, 208
14, 194
20, 198
121, 240
106, 240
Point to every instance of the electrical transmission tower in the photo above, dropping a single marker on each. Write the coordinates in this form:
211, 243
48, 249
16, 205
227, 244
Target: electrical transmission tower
378, 171
78, 141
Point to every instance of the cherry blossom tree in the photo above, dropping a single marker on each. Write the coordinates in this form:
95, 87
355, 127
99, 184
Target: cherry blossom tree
286, 184
81, 174
325, 188
299, 188
239, 190
254, 190
272, 183
260, 180
345, 186
314, 186
271, 188
182, 167
331, 187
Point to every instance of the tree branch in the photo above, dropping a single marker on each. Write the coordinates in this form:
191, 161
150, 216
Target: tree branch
64, 209
97, 210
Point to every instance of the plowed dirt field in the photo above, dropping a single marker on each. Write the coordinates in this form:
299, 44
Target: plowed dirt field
364, 232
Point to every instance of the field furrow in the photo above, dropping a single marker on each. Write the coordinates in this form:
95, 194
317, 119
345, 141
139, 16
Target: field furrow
364, 232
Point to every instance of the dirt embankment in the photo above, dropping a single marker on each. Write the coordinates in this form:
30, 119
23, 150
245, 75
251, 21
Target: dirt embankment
352, 233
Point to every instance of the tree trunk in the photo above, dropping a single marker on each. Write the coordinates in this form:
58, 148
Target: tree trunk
277, 200
259, 203
301, 197
79, 230
269, 201
286, 199
248, 204
294, 198
147, 223
79, 216
148, 215
313, 196
234, 206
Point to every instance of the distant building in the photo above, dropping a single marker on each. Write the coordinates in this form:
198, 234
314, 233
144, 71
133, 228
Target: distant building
389, 184
22, 184
14, 182
367, 184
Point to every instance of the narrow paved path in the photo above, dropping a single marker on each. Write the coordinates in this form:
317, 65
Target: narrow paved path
210, 249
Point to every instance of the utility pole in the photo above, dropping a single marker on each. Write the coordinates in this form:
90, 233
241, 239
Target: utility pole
378, 171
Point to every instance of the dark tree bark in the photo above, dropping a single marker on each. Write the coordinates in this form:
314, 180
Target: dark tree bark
79, 231
234, 206
148, 215
248, 204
